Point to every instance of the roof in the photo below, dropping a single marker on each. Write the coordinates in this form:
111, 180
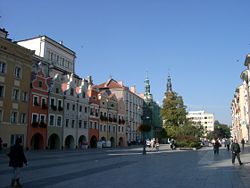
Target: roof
111, 83
49, 39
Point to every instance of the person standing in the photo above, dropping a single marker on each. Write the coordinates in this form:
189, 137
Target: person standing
243, 143
235, 147
17, 159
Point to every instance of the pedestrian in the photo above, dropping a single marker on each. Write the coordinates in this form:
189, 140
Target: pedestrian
235, 147
217, 145
228, 142
17, 159
243, 143
172, 144
157, 145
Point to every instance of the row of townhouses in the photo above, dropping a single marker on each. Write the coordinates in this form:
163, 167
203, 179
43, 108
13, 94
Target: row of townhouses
44, 101
240, 105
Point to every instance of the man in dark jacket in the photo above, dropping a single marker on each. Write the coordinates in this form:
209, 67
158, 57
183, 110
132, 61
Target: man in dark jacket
17, 159
235, 147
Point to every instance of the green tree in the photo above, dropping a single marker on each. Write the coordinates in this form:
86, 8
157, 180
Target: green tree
174, 111
220, 131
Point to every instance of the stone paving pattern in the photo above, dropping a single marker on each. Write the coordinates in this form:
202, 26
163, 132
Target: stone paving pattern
128, 168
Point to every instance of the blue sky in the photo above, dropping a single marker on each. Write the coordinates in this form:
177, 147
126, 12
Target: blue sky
201, 44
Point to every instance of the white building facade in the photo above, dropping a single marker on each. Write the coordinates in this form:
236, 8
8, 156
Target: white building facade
202, 118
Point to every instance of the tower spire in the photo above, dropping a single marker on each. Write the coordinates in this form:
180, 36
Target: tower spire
169, 84
147, 93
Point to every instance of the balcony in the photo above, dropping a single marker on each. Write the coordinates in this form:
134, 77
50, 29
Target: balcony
53, 107
36, 103
42, 124
44, 106
60, 108
35, 124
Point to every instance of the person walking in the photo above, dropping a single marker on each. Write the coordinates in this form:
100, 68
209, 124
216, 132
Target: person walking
228, 143
217, 145
17, 159
235, 148
243, 143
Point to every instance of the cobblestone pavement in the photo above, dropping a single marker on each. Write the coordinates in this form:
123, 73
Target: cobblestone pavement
126, 168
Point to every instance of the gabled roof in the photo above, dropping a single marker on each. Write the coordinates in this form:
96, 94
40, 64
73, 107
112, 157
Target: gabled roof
111, 83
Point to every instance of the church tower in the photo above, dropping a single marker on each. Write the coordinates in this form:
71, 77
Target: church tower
147, 94
169, 85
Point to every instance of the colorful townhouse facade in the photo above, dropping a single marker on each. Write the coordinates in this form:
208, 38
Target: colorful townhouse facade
15, 74
133, 104
43, 100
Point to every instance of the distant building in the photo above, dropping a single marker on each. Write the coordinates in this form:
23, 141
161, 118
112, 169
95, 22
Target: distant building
239, 109
151, 114
202, 118
133, 107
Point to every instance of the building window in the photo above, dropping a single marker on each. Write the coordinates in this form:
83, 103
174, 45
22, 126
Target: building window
104, 128
35, 101
15, 94
16, 136
40, 83
25, 96
42, 118
60, 103
13, 118
1, 91
86, 109
83, 94
71, 91
85, 124
52, 102
59, 121
67, 123
100, 127
80, 123
73, 107
67, 106
80, 109
2, 67
17, 72
34, 118
72, 123
51, 120
22, 118
95, 125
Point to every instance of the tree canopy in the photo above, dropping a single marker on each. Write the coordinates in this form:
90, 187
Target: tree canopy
174, 111
220, 131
